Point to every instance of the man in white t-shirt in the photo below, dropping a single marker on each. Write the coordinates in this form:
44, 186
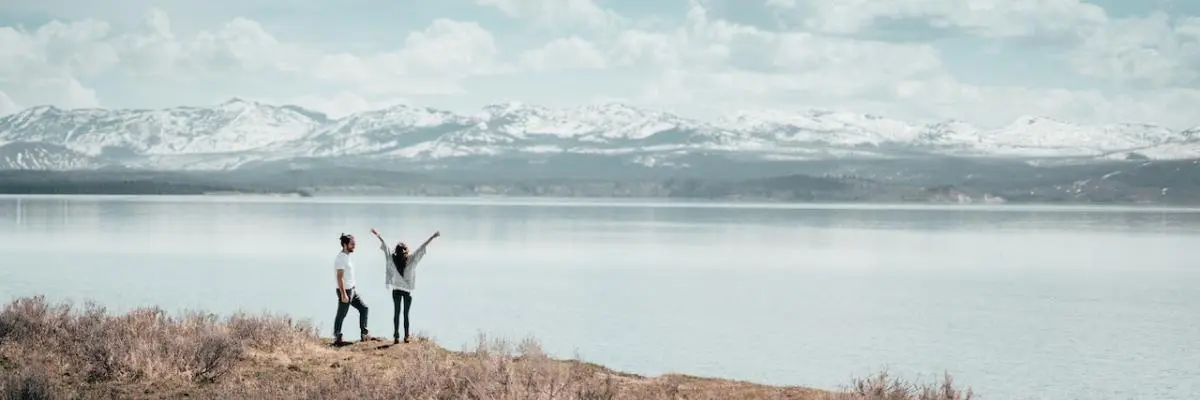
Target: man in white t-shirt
347, 295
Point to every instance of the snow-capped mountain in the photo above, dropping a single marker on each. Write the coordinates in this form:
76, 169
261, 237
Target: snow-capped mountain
237, 133
1041, 136
235, 125
44, 156
820, 126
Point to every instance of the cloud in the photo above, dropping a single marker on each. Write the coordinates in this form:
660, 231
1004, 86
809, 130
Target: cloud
7, 106
1153, 50
51, 64
720, 62
990, 18
43, 66
714, 65
564, 53
432, 61
1090, 66
781, 4
558, 14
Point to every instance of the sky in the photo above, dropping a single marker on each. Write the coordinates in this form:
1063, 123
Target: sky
987, 62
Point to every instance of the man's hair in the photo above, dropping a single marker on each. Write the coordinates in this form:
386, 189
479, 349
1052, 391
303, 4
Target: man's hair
345, 238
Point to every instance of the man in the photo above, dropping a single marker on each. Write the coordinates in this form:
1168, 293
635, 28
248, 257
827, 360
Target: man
347, 295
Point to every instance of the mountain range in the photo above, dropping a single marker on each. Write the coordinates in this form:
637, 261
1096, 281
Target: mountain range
239, 134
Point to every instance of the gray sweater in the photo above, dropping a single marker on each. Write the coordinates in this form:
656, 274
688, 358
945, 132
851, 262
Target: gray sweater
408, 281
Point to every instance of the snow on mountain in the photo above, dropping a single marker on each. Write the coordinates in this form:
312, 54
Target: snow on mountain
1041, 136
820, 126
375, 131
238, 132
597, 123
952, 133
235, 125
44, 156
1185, 144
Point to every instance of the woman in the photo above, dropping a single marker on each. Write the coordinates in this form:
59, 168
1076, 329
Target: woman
401, 278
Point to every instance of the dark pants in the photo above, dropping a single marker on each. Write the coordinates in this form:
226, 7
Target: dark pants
400, 300
343, 308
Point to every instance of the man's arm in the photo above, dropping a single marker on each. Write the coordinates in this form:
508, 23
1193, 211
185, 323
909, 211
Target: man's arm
340, 265
341, 284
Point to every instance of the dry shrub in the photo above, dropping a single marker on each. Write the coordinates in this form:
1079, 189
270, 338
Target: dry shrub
268, 332
215, 356
606, 390
31, 319
26, 385
198, 351
882, 386
145, 343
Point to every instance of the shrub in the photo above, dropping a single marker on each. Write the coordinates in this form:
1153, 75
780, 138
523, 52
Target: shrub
144, 343
97, 354
882, 387
26, 385
215, 356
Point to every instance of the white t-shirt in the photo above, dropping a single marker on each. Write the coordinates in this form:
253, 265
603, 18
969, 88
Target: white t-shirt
343, 262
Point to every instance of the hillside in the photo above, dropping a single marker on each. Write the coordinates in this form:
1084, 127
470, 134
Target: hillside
245, 134
54, 351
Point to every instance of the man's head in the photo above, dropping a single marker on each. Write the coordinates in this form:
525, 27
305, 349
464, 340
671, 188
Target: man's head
402, 249
347, 241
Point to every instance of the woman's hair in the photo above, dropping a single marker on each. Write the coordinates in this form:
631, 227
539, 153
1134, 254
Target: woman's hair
399, 258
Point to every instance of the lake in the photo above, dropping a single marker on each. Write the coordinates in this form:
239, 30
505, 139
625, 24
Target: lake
1017, 302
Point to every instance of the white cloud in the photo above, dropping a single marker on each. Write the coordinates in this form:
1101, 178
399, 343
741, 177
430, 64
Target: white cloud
433, 61
1154, 50
691, 62
746, 63
749, 67
992, 18
49, 65
781, 4
558, 14
564, 53
240, 46
451, 47
41, 67
7, 106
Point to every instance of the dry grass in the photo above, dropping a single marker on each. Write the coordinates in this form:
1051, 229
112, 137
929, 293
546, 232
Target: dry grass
53, 351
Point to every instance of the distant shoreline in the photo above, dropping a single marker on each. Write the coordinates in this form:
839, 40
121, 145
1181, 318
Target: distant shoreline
1166, 186
547, 201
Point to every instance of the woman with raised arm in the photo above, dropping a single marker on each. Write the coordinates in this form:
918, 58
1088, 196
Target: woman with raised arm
401, 278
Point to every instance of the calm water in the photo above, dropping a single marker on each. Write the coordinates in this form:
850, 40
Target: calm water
1020, 303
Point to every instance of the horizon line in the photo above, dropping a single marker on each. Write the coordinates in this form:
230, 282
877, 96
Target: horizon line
715, 119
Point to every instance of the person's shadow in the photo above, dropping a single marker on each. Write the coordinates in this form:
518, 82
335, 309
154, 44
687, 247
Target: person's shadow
344, 344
